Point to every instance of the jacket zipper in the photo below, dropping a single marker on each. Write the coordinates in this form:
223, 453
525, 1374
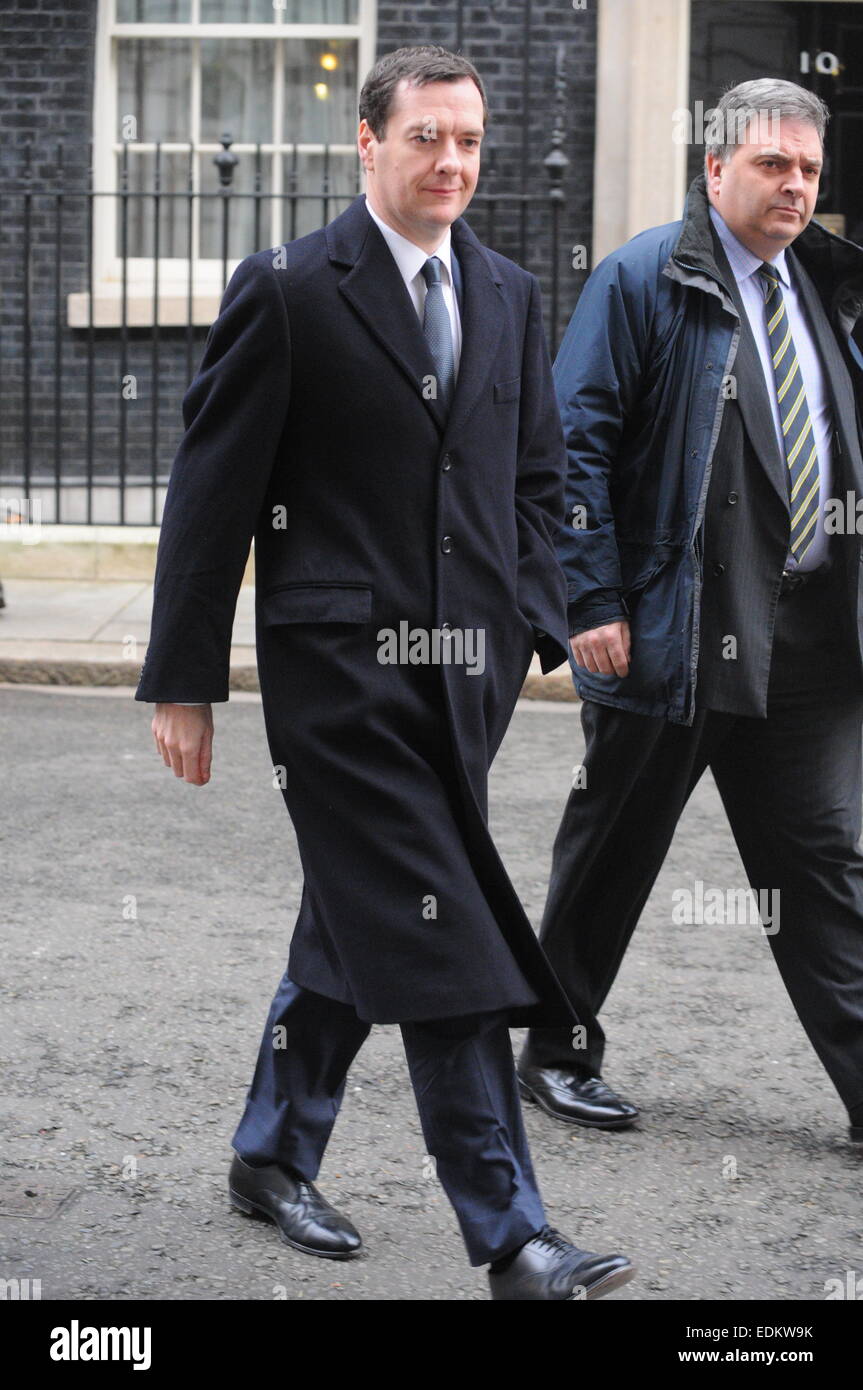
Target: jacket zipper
689, 695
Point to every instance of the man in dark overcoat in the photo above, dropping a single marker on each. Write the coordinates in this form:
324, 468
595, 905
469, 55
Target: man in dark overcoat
375, 405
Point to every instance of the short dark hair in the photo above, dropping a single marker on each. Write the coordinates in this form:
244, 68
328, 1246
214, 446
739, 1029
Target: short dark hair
418, 66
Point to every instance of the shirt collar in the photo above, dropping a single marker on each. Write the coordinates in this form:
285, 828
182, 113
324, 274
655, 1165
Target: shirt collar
744, 262
409, 257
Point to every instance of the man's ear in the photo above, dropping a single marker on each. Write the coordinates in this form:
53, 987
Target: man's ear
713, 172
365, 141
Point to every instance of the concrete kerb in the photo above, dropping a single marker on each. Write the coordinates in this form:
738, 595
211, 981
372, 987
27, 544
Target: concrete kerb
107, 555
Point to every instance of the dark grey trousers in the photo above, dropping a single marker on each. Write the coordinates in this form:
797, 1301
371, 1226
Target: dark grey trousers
791, 787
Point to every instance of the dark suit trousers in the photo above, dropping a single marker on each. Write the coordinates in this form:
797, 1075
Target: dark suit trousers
464, 1082
791, 786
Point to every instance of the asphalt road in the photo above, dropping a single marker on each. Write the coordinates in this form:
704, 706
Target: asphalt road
145, 925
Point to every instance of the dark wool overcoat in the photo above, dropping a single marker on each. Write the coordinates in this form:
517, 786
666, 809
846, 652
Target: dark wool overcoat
312, 424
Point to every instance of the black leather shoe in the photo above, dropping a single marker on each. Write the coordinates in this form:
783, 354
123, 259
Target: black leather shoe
579, 1100
304, 1218
549, 1267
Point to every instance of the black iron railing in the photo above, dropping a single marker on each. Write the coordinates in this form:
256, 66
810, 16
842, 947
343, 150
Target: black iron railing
92, 373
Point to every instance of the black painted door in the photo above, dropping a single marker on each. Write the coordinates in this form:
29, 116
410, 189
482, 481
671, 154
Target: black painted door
819, 46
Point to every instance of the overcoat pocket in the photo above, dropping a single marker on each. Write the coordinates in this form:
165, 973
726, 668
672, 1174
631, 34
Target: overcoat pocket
317, 603
507, 390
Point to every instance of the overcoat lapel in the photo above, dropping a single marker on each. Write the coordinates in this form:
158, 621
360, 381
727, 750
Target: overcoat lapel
756, 409
483, 321
375, 290
752, 395
836, 374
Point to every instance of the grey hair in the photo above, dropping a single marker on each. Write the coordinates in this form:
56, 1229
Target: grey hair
765, 98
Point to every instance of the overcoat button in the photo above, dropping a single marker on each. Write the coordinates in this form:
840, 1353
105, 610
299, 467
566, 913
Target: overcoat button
446, 545
718, 569
447, 463
732, 498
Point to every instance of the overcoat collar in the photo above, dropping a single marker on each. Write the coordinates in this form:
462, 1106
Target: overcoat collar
752, 388
836, 376
376, 291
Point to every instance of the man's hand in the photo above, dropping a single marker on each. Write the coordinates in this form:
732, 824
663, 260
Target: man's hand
603, 650
184, 737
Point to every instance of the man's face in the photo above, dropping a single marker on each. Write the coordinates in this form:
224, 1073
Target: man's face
423, 174
766, 192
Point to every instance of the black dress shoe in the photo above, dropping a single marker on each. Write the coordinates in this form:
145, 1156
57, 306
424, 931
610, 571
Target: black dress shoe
304, 1218
549, 1267
580, 1100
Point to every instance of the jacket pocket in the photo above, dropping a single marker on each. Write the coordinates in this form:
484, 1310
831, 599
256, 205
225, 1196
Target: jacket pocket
507, 390
317, 603
641, 560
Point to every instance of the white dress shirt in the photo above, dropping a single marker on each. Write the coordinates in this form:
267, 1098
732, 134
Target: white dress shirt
410, 260
745, 264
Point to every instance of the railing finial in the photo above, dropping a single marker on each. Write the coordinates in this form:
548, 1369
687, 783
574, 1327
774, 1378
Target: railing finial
227, 161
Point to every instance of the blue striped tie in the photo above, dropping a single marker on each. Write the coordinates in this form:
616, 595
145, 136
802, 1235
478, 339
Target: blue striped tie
437, 327
801, 454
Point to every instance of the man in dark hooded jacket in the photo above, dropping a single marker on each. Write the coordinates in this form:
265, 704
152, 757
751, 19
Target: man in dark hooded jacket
710, 386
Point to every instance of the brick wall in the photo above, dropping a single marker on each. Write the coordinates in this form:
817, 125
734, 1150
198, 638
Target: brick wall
522, 103
46, 97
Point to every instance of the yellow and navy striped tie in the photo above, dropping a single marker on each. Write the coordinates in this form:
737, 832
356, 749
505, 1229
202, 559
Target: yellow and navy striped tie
800, 452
